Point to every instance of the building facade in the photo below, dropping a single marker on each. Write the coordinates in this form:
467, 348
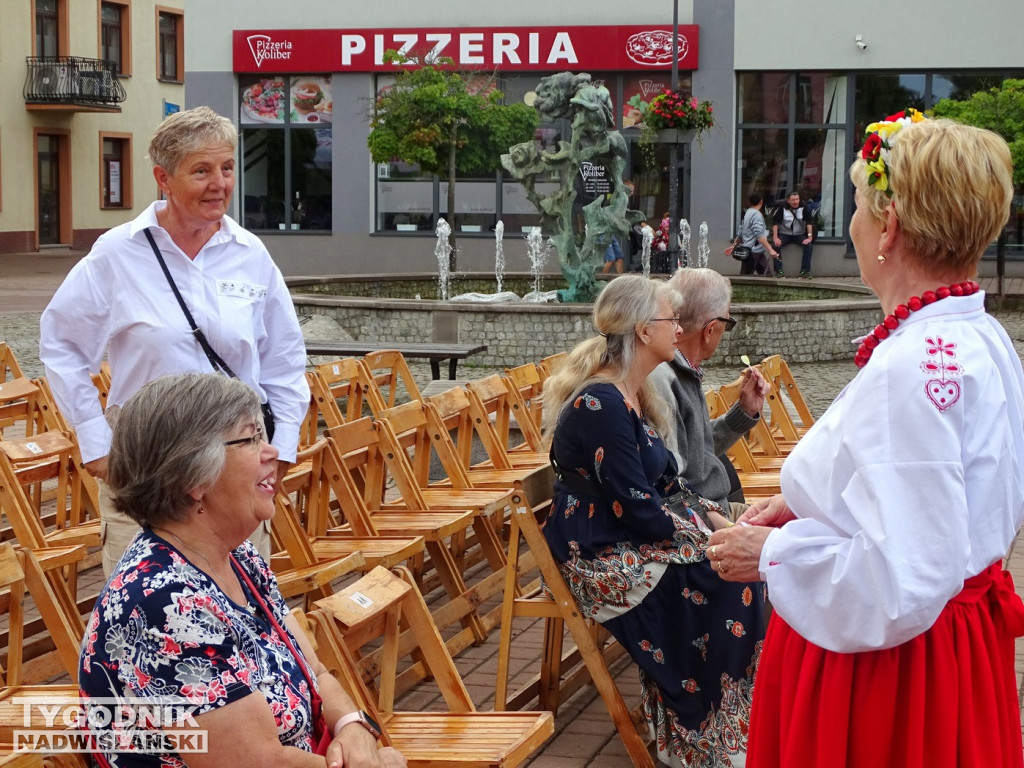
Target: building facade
84, 83
793, 84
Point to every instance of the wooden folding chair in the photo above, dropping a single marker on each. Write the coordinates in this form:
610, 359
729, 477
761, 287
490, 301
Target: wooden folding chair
782, 380
757, 482
300, 571
302, 557
423, 434
377, 608
58, 538
101, 380
561, 674
390, 372
20, 407
31, 653
9, 368
528, 381
756, 451
782, 424
491, 398
552, 363
345, 391
466, 417
366, 454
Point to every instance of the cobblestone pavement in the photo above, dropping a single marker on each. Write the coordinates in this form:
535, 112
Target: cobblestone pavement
584, 736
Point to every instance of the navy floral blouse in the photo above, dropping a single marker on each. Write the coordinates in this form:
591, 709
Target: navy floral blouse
163, 630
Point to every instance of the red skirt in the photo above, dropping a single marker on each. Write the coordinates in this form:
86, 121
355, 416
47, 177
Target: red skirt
945, 699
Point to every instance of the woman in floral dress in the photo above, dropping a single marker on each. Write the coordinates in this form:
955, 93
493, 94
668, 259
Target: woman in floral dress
191, 623
633, 559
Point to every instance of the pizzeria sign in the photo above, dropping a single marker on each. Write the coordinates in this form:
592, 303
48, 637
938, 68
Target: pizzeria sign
510, 49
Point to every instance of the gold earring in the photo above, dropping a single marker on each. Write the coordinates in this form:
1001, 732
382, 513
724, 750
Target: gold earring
881, 258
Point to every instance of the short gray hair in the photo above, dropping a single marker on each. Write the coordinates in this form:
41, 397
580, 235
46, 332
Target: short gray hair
169, 439
190, 131
704, 294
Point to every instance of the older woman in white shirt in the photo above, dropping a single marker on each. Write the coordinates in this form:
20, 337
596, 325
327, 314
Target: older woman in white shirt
117, 301
893, 634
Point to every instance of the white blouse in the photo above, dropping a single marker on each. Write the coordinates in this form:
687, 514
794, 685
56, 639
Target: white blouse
118, 297
911, 482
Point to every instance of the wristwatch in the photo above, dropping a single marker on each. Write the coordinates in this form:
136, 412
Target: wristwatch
359, 716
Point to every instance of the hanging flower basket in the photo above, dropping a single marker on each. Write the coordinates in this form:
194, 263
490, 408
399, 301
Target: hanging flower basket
673, 117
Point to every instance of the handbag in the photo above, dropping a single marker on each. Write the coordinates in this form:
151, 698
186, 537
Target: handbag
322, 736
742, 252
211, 354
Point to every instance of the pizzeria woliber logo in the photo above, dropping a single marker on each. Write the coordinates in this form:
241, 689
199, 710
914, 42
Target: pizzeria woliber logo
263, 48
653, 48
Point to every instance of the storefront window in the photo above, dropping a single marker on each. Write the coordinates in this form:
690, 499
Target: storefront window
763, 97
778, 157
287, 153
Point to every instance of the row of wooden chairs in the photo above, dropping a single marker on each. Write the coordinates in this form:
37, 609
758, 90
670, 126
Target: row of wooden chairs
371, 467
496, 739
758, 457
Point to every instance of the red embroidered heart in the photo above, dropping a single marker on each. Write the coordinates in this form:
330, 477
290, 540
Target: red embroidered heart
942, 393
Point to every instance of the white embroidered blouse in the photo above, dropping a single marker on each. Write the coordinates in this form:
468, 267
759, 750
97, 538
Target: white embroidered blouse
910, 483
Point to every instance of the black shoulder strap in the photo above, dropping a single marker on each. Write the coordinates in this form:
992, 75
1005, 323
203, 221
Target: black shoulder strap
215, 360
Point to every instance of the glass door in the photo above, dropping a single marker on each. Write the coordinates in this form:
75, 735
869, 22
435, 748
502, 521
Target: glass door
48, 184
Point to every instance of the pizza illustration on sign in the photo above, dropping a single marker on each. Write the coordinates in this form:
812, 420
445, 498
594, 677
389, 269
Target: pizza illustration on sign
653, 48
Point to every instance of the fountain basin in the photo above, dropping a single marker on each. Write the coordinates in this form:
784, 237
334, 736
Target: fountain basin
805, 321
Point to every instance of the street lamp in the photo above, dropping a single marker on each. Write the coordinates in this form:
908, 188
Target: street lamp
673, 154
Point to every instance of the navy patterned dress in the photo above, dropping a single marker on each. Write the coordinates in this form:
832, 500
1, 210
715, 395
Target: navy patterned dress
641, 571
163, 630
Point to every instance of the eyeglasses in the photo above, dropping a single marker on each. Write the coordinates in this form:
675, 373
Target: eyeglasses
253, 440
664, 320
730, 322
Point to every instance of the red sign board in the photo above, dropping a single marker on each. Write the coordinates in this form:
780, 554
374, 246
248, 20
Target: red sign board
509, 49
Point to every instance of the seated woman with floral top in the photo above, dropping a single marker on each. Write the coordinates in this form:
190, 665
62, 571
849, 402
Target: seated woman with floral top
192, 615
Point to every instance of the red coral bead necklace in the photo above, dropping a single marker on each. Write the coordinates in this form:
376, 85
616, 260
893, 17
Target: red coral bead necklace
903, 311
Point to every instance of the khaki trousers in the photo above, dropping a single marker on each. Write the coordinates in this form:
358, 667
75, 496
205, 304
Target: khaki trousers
117, 531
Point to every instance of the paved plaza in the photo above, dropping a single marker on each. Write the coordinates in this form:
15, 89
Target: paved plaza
584, 736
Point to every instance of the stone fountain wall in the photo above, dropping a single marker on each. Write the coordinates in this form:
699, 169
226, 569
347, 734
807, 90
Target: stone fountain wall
799, 330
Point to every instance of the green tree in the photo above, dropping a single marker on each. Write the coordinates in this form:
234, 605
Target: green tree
1001, 110
448, 122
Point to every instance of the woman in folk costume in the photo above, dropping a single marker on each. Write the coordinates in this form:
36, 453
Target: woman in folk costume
892, 640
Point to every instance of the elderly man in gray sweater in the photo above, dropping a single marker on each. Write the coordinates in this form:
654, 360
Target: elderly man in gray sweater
698, 441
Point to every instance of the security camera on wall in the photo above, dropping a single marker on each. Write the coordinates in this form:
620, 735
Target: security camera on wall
860, 42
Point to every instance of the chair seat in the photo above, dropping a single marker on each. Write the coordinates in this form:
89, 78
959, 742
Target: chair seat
304, 579
58, 557
432, 525
481, 501
86, 534
386, 551
473, 739
12, 711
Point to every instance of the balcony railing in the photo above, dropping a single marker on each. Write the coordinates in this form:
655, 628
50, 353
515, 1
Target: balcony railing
72, 80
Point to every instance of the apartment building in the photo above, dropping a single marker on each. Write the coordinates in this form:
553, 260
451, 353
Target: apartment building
83, 84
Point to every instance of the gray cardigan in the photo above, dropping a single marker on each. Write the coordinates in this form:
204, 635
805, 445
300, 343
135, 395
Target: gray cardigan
698, 439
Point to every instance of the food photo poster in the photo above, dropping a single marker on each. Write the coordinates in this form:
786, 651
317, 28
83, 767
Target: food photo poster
302, 98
